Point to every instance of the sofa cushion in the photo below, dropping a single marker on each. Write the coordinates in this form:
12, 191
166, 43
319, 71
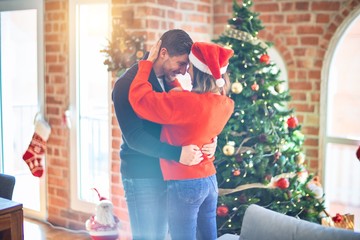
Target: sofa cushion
228, 236
262, 223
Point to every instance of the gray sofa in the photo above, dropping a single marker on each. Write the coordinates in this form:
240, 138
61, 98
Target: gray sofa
263, 224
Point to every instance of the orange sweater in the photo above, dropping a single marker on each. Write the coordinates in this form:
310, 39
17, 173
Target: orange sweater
187, 118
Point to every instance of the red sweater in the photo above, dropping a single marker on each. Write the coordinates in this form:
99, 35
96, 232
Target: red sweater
187, 118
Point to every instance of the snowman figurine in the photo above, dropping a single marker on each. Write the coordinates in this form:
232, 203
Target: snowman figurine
104, 225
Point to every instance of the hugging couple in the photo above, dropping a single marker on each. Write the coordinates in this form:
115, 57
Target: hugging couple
169, 137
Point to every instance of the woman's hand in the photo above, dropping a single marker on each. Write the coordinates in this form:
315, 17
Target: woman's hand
209, 149
191, 155
154, 52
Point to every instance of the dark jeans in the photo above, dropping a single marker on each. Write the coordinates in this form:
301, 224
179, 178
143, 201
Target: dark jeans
146, 200
192, 208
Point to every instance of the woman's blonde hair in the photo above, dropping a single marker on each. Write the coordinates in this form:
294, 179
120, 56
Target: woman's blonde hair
203, 82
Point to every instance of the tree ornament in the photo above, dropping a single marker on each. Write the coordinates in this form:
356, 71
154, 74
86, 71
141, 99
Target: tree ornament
300, 159
222, 211
277, 155
255, 87
262, 137
358, 153
229, 148
315, 187
279, 88
265, 59
236, 172
302, 175
282, 183
236, 87
292, 122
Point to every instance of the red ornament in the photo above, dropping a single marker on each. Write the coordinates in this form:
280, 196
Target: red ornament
222, 211
277, 155
358, 153
265, 59
338, 218
292, 122
282, 183
236, 172
255, 87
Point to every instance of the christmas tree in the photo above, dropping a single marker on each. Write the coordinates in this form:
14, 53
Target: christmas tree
260, 158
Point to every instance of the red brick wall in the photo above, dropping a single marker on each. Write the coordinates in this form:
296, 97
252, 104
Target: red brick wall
301, 32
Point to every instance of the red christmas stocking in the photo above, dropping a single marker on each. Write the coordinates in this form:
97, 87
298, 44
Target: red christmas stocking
36, 149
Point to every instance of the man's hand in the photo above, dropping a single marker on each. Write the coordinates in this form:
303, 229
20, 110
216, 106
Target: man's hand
191, 155
209, 149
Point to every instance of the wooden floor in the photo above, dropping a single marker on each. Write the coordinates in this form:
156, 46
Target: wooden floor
37, 230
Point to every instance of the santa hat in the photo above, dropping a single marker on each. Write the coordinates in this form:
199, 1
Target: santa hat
212, 59
100, 197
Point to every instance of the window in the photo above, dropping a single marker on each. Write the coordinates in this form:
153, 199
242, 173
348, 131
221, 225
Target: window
90, 97
21, 96
340, 128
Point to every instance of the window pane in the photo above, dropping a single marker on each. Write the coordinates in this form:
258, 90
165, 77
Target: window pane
19, 99
344, 87
93, 99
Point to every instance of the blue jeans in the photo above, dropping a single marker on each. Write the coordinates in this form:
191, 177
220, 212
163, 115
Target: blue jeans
146, 201
192, 208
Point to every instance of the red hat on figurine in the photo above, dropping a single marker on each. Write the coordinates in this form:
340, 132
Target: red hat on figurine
212, 59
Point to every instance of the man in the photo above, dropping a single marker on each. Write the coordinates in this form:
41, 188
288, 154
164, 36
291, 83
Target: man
145, 189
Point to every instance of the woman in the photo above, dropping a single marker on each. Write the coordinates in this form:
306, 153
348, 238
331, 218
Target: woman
188, 117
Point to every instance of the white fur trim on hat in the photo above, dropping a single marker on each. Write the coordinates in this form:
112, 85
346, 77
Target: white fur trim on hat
43, 129
220, 82
202, 66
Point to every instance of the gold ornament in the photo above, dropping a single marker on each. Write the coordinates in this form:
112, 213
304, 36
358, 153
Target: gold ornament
279, 88
236, 87
300, 159
229, 148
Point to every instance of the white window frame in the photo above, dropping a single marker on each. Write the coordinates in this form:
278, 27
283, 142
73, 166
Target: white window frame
325, 109
76, 203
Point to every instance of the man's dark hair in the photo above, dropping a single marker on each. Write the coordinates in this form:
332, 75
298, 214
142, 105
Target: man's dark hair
177, 42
